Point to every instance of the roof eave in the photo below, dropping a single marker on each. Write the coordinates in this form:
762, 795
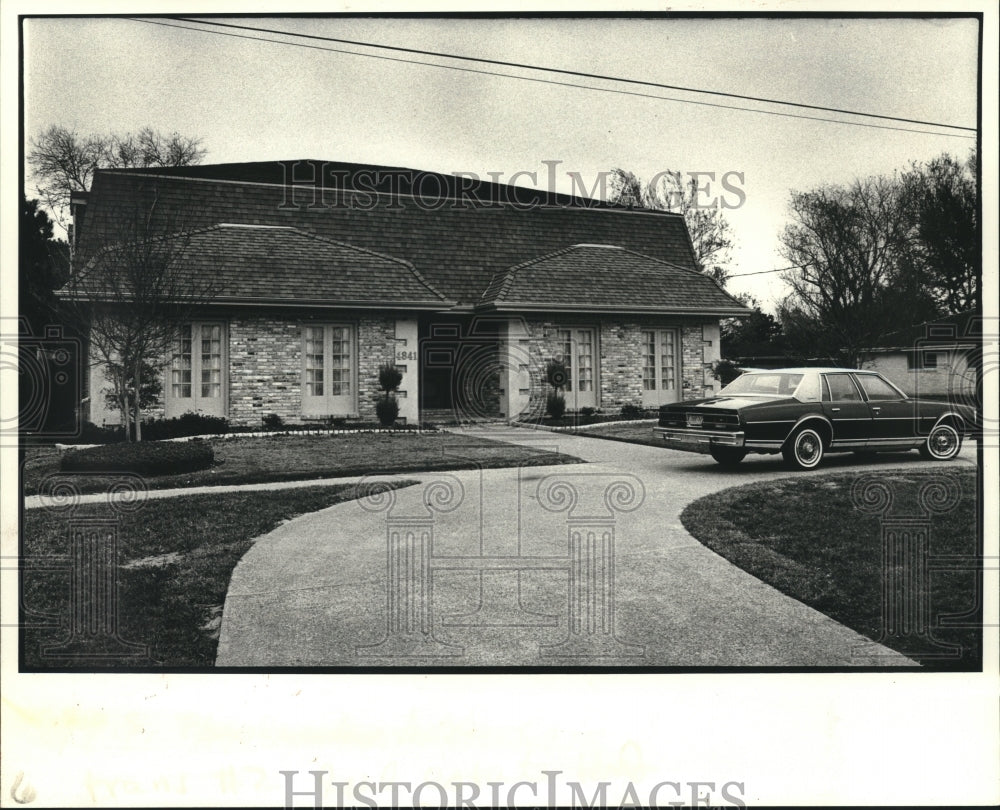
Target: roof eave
311, 303
518, 306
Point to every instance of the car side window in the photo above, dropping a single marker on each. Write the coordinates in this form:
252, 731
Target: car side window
840, 388
876, 388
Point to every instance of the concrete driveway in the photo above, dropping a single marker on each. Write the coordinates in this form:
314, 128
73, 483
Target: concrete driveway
575, 565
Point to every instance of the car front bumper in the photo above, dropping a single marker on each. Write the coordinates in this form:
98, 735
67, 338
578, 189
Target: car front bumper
700, 441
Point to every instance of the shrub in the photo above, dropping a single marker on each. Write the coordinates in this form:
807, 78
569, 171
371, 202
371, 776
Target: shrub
555, 405
188, 424
387, 410
630, 411
725, 371
586, 413
140, 457
273, 422
96, 434
556, 374
389, 377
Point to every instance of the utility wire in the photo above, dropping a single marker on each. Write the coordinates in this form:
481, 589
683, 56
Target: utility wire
560, 83
775, 270
577, 73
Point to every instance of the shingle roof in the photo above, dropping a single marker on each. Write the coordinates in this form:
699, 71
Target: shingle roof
606, 278
279, 264
457, 245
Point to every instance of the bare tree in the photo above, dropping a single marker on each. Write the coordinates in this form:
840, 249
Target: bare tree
63, 161
130, 298
851, 286
711, 236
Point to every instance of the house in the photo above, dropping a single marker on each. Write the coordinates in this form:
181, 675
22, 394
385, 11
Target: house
939, 358
324, 271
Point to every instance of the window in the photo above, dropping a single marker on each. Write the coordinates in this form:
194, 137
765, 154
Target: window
922, 361
841, 388
659, 366
328, 369
878, 389
195, 380
809, 389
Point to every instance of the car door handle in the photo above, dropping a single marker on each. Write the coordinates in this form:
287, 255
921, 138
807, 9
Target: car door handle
835, 410
876, 408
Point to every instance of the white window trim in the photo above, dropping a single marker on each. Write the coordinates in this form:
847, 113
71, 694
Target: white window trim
309, 409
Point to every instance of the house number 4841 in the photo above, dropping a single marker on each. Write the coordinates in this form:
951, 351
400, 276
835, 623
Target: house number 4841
406, 355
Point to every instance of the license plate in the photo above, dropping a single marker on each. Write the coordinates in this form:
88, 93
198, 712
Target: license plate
694, 420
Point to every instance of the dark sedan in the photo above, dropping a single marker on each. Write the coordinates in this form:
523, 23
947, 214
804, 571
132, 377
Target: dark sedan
804, 413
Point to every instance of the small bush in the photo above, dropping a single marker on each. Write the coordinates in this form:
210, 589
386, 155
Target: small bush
555, 405
387, 409
586, 413
556, 374
166, 458
188, 424
273, 422
630, 411
96, 434
389, 377
725, 371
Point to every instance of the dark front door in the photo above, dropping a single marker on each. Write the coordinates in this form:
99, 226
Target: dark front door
459, 369
846, 409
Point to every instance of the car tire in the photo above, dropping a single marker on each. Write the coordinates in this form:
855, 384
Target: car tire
804, 450
943, 443
728, 456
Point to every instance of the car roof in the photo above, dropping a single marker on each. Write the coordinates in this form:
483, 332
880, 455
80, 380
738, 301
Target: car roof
809, 369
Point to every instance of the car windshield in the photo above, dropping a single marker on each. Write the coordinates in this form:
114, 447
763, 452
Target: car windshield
778, 383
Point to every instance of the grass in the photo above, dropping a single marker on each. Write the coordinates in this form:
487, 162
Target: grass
634, 433
779, 532
577, 419
174, 567
250, 460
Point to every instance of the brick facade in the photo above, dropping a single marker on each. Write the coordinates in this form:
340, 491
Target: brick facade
620, 346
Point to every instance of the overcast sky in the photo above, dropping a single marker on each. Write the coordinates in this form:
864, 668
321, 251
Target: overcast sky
250, 100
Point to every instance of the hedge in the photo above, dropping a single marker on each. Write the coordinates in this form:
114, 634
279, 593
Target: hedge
141, 458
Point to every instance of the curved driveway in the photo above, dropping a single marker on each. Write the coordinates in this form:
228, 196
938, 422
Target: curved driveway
497, 582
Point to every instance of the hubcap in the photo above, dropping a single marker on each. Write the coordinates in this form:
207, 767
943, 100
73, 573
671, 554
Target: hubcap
808, 448
943, 442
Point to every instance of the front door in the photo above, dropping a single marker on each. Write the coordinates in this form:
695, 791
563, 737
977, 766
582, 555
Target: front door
580, 356
846, 409
659, 367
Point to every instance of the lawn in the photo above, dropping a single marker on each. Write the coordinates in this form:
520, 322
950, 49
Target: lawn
805, 537
634, 432
175, 560
249, 460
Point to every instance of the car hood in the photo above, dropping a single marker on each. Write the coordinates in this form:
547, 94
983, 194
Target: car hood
731, 403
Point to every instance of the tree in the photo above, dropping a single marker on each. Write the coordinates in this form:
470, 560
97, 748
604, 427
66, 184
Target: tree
755, 334
853, 284
945, 201
130, 299
43, 266
711, 236
63, 161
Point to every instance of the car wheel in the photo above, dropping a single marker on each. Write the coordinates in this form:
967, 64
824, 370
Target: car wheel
804, 451
728, 456
943, 443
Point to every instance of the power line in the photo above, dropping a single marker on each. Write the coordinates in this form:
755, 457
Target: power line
559, 83
775, 270
577, 73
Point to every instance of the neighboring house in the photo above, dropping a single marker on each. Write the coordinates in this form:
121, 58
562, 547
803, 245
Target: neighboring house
938, 358
470, 288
